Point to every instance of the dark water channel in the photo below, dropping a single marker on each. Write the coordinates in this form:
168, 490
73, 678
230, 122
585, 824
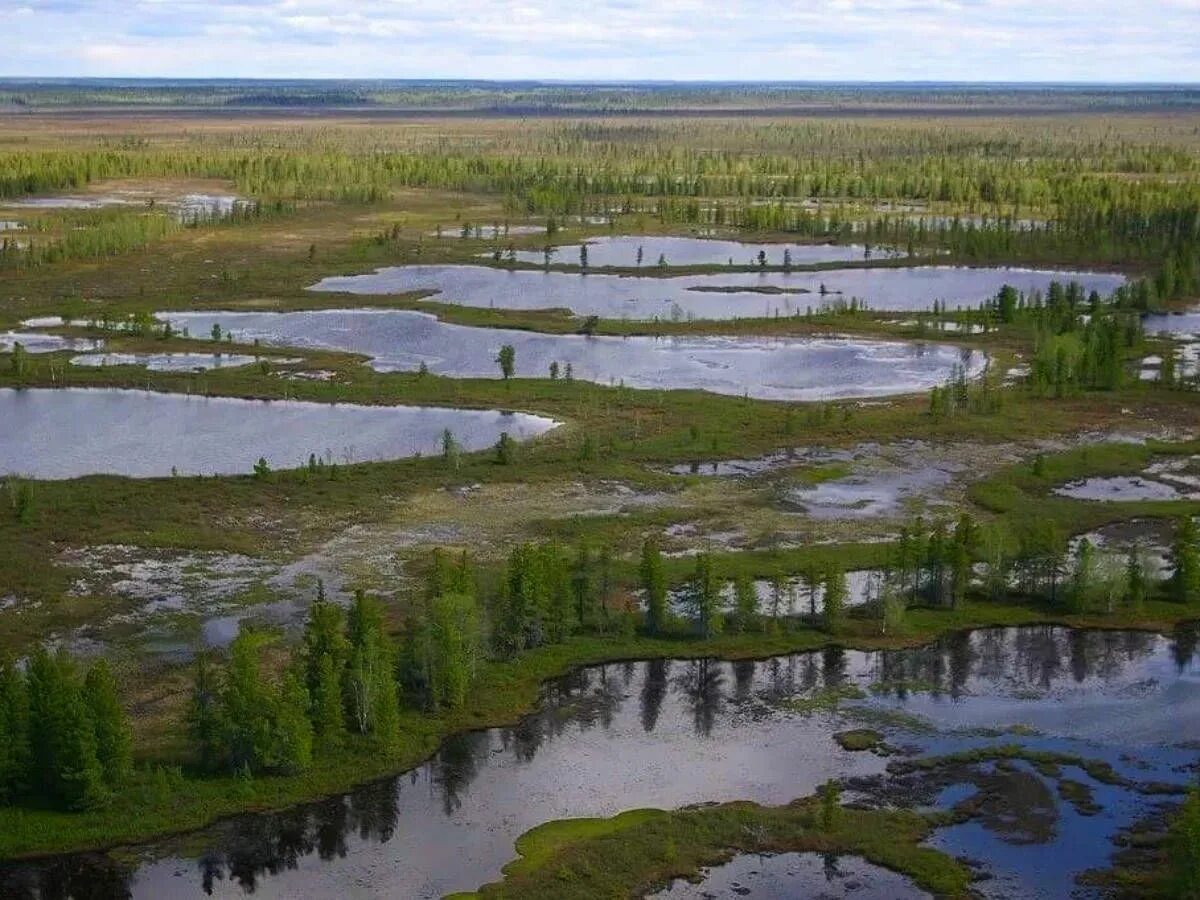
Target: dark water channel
669, 733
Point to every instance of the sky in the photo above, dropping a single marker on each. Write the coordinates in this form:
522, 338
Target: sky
739, 40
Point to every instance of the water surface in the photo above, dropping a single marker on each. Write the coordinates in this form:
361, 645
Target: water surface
723, 296
802, 368
69, 432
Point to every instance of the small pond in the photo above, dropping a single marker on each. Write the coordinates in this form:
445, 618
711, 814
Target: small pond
729, 295
69, 432
629, 251
668, 733
807, 368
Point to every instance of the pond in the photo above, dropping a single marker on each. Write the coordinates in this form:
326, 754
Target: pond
789, 875
1162, 484
668, 733
630, 251
165, 362
806, 368
729, 295
69, 432
34, 342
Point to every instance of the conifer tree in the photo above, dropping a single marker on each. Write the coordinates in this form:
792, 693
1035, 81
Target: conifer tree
654, 584
835, 600
114, 739
15, 758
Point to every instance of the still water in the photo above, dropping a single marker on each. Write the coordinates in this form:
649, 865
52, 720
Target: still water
729, 295
69, 432
804, 368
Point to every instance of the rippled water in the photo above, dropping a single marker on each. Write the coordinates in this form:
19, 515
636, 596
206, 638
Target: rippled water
806, 368
725, 296
622, 251
669, 733
68, 432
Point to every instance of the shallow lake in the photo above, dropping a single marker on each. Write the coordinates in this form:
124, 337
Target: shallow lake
669, 733
807, 368
730, 295
69, 432
623, 251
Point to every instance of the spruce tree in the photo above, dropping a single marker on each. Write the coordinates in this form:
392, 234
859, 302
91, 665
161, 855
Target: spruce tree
654, 584
114, 739
62, 734
745, 603
205, 719
1185, 555
15, 758
835, 600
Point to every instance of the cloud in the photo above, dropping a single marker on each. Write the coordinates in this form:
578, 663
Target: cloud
753, 40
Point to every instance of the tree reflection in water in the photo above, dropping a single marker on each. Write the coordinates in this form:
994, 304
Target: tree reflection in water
697, 696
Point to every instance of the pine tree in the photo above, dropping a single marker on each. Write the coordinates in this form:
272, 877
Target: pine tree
205, 715
247, 706
114, 739
328, 712
291, 742
745, 603
1185, 555
835, 600
654, 584
15, 758
62, 734
1083, 578
704, 596
1136, 581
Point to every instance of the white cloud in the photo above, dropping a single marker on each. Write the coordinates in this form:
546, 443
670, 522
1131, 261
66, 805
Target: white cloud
1147, 40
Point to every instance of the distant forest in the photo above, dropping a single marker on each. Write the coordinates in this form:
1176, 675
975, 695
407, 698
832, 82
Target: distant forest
548, 98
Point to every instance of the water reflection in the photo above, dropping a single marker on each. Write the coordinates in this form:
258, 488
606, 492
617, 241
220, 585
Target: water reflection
662, 733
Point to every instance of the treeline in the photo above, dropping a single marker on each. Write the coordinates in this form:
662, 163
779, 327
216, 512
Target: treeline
1039, 191
64, 738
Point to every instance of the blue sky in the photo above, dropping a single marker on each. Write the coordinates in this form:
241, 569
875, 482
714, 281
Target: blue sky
751, 40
